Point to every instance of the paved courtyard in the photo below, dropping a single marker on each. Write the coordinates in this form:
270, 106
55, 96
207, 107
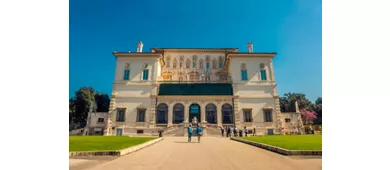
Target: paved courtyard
174, 153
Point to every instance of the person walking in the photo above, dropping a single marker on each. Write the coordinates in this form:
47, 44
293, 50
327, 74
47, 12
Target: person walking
199, 132
254, 131
222, 131
246, 131
228, 132
189, 133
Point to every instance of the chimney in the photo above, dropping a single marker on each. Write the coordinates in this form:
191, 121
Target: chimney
140, 45
250, 47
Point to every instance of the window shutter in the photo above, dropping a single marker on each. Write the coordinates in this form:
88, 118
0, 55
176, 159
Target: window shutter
263, 75
244, 75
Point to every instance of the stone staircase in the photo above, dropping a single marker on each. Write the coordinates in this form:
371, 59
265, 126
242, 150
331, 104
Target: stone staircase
213, 131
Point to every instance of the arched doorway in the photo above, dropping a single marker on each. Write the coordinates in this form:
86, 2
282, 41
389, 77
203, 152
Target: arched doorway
227, 114
178, 113
194, 112
211, 113
162, 114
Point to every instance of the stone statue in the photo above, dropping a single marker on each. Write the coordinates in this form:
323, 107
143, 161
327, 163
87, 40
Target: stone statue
194, 120
250, 47
140, 46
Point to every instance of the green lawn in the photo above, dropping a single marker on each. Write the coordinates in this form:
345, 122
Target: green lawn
104, 143
290, 142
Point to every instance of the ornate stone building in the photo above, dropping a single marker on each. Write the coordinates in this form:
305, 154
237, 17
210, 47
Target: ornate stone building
167, 87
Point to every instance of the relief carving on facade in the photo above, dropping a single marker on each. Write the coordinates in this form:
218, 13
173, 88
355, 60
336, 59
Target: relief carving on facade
207, 58
194, 75
167, 75
220, 61
182, 58
188, 63
214, 63
174, 63
201, 64
127, 66
194, 60
168, 63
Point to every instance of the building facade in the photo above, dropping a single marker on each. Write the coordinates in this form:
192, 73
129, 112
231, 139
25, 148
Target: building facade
168, 87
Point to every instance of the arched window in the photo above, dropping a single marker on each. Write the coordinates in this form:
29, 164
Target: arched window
227, 114
263, 73
244, 74
211, 113
178, 113
126, 75
162, 114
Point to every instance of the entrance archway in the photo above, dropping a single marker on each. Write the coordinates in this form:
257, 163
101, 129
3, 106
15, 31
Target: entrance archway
227, 114
211, 113
178, 113
194, 112
162, 114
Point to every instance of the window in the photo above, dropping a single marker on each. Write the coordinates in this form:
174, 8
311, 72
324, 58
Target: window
120, 117
140, 131
145, 75
244, 75
100, 120
263, 75
267, 115
287, 120
207, 66
126, 75
247, 115
141, 115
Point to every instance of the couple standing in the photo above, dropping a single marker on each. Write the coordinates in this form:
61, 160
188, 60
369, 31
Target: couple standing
198, 131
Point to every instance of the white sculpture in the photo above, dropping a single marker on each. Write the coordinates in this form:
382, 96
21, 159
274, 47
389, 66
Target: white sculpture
194, 120
140, 45
250, 47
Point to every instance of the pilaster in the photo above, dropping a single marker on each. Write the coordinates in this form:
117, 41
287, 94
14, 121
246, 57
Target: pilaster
219, 114
170, 113
203, 112
186, 113
236, 111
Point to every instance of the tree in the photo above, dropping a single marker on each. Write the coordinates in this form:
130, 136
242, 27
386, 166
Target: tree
80, 104
102, 102
317, 107
307, 116
287, 102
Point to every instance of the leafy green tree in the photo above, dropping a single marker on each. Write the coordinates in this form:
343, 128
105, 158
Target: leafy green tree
317, 107
102, 102
287, 102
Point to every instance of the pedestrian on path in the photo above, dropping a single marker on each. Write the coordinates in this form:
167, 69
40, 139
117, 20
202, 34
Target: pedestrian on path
199, 132
246, 131
189, 133
222, 131
254, 131
226, 130
229, 132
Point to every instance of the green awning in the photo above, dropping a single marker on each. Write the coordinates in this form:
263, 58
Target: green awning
212, 89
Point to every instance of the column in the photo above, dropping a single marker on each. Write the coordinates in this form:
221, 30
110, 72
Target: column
203, 113
186, 113
219, 114
170, 114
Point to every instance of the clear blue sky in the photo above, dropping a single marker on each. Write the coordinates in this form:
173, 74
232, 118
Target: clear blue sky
292, 28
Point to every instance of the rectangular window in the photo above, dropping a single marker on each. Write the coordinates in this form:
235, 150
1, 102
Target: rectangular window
120, 116
267, 115
247, 115
141, 115
145, 75
207, 66
244, 75
126, 75
100, 120
140, 131
287, 120
263, 75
